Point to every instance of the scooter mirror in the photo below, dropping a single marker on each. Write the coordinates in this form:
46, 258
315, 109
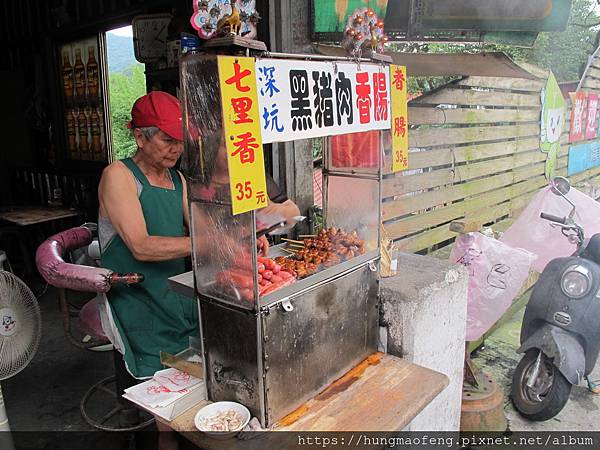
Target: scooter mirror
560, 186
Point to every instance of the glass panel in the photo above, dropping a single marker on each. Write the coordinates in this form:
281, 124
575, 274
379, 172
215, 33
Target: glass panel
355, 152
223, 246
203, 119
353, 206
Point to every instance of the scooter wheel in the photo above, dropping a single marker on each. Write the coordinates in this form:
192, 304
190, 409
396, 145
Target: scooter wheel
549, 392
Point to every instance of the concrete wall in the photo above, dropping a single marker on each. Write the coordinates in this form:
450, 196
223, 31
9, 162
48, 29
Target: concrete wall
424, 309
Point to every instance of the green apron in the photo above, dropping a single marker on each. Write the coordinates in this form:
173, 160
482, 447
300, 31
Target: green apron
149, 316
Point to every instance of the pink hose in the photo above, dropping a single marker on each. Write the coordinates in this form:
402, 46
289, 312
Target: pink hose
58, 273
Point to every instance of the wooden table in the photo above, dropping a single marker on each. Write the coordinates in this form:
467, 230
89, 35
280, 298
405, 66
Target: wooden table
383, 393
34, 215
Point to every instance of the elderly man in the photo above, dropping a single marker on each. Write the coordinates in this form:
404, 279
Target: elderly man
142, 224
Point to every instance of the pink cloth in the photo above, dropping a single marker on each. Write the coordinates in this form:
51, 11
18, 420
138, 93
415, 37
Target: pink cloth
532, 233
89, 320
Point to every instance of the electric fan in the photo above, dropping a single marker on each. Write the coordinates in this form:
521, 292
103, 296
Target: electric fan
20, 331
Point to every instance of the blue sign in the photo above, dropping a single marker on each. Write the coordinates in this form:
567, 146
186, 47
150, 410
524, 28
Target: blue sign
583, 157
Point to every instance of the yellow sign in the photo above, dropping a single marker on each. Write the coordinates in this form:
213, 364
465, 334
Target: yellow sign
399, 124
241, 120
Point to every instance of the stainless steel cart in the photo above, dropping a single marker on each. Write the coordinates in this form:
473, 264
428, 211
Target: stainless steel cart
275, 352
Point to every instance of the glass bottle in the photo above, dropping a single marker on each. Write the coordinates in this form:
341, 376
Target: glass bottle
82, 124
67, 77
96, 133
92, 74
79, 70
71, 134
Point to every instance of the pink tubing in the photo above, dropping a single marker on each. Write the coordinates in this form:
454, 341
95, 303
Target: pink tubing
58, 273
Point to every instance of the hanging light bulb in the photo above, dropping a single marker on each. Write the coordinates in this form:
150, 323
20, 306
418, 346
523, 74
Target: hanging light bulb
359, 37
358, 20
370, 13
350, 31
379, 24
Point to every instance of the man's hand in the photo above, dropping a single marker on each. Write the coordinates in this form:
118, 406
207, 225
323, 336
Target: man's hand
262, 246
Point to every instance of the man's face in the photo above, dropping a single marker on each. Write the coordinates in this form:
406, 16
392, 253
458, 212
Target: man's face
162, 150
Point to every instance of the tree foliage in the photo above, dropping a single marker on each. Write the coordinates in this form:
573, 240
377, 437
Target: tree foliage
565, 53
125, 87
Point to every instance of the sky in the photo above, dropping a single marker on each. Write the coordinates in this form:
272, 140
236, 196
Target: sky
124, 31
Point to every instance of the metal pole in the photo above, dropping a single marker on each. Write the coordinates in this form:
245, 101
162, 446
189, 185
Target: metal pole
316, 57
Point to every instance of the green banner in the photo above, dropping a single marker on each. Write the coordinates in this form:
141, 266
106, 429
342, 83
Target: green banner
553, 119
330, 16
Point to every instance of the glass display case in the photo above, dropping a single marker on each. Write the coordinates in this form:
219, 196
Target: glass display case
308, 311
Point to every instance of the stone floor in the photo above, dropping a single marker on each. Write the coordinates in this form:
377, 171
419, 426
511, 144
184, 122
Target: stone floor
42, 401
498, 358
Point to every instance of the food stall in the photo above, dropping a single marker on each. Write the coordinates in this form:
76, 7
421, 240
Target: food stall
307, 313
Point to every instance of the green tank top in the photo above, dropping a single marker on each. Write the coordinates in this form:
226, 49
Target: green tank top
149, 316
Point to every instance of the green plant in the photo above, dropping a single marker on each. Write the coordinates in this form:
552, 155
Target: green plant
124, 88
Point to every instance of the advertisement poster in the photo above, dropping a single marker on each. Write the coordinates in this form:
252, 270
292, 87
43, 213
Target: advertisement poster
307, 99
399, 118
591, 122
82, 93
577, 116
583, 157
245, 156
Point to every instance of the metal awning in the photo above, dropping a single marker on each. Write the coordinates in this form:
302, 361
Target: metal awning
495, 64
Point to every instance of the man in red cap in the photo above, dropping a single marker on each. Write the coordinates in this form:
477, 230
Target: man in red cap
143, 227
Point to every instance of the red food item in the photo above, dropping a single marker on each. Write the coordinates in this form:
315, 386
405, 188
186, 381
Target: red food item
237, 278
269, 263
276, 267
260, 278
243, 261
265, 286
276, 279
285, 275
276, 286
261, 267
267, 274
247, 294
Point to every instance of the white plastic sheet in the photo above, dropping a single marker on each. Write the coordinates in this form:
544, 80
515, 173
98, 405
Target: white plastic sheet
496, 274
532, 233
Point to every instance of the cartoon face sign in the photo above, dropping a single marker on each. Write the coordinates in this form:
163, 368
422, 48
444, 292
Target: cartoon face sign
8, 323
553, 113
554, 121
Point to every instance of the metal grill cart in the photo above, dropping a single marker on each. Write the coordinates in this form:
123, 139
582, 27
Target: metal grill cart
273, 352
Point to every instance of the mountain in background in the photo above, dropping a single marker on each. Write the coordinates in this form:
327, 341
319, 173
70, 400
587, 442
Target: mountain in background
120, 53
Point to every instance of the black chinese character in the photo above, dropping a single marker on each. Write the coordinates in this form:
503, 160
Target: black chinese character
323, 101
343, 93
301, 114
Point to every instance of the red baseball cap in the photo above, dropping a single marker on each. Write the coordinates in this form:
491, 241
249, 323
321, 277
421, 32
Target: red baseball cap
158, 109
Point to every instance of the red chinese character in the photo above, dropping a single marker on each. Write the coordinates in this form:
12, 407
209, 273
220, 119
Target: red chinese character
245, 147
399, 126
241, 106
237, 78
399, 79
244, 190
363, 98
261, 198
401, 158
380, 95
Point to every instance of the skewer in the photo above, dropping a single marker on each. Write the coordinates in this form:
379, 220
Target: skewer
295, 245
292, 240
289, 251
307, 235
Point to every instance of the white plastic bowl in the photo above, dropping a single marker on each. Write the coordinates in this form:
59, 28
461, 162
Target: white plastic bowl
216, 408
